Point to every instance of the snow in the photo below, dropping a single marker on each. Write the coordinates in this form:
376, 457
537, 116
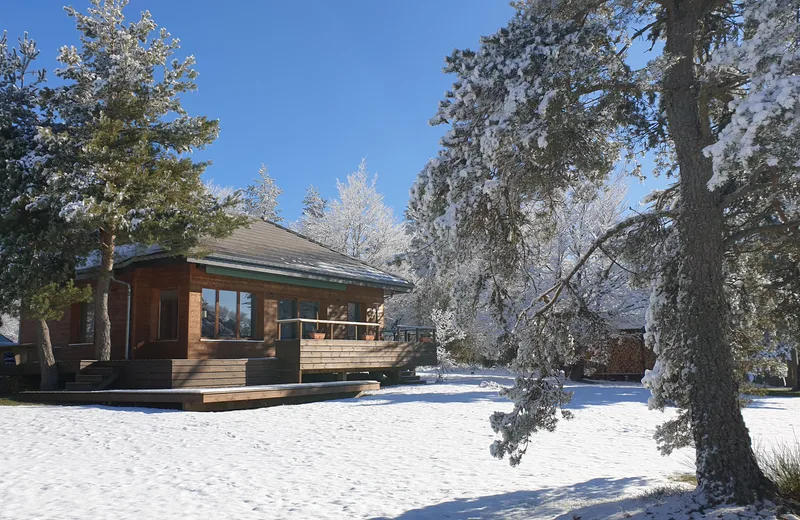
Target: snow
403, 452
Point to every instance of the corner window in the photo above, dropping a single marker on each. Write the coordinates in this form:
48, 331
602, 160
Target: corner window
168, 315
229, 315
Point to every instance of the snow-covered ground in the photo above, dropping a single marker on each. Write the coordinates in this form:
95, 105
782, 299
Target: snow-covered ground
404, 452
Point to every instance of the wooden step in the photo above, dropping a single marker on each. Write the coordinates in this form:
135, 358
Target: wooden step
90, 370
90, 378
79, 386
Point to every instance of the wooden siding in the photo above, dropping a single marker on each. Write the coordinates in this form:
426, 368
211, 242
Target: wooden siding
186, 373
189, 280
268, 294
321, 356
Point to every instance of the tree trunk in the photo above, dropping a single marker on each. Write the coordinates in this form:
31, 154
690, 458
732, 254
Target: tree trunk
47, 362
793, 379
726, 466
102, 328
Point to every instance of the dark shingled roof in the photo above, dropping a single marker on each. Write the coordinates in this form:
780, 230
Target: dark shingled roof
268, 247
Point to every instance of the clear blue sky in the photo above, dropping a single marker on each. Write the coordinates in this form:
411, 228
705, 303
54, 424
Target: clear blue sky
308, 88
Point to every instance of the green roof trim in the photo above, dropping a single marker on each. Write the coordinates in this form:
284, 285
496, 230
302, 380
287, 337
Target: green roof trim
266, 277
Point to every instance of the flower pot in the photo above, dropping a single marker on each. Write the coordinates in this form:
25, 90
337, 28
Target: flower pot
426, 339
369, 337
318, 335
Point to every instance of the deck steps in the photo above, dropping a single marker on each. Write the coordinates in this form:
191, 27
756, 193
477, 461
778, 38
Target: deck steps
92, 377
410, 377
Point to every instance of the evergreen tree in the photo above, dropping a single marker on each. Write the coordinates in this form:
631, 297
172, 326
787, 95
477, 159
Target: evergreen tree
123, 170
549, 103
357, 222
38, 251
261, 197
314, 205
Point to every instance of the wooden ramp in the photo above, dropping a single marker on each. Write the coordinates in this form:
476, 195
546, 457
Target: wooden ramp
210, 399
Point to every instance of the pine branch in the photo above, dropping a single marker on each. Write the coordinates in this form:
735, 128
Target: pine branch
551, 296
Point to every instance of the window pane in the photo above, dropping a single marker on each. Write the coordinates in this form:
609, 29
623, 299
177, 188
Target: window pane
247, 314
168, 316
209, 314
86, 333
287, 309
309, 310
227, 314
353, 314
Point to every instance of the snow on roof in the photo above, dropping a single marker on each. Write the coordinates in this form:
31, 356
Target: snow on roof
266, 246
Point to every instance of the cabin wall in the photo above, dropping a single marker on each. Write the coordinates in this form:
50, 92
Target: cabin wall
147, 284
333, 306
64, 333
189, 280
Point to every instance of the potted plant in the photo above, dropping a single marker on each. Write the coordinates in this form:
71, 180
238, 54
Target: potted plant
426, 338
318, 334
369, 336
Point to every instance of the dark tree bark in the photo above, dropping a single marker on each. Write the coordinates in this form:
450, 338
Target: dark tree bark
102, 328
726, 466
47, 362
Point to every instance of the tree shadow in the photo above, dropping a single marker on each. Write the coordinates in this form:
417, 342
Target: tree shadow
603, 497
584, 395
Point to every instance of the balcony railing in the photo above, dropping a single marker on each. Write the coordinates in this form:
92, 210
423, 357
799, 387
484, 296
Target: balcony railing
410, 333
329, 325
405, 333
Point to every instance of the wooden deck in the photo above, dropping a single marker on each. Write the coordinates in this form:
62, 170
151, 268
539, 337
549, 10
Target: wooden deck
310, 356
210, 399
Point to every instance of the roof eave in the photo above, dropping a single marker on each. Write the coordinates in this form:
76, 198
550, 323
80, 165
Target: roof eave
209, 260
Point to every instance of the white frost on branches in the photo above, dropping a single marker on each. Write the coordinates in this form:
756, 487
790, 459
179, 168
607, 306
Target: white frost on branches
764, 130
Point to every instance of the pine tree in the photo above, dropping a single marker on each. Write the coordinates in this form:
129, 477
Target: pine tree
38, 251
123, 169
357, 222
314, 205
549, 103
261, 197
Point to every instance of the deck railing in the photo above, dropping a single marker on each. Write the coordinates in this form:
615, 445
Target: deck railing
410, 333
330, 324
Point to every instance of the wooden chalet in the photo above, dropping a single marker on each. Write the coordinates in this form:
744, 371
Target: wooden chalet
264, 306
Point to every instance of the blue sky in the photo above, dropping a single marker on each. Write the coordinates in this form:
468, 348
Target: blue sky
308, 88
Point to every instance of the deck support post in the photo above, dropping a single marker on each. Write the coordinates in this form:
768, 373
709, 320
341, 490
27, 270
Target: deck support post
393, 376
341, 376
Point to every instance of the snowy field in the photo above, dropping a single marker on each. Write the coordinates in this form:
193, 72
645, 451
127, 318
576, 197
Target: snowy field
404, 452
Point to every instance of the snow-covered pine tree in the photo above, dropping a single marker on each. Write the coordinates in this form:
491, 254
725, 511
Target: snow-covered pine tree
314, 205
357, 222
261, 197
38, 251
549, 103
123, 168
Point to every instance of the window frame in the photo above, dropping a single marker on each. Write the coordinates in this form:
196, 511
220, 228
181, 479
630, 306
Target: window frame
295, 326
84, 309
254, 299
161, 310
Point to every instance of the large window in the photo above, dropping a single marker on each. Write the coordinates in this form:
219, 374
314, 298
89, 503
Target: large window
287, 310
168, 315
229, 315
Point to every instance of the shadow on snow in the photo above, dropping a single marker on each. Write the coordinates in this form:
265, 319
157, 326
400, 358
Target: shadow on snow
596, 498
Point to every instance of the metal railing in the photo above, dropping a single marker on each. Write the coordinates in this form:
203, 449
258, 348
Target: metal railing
297, 322
410, 333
